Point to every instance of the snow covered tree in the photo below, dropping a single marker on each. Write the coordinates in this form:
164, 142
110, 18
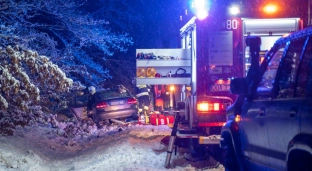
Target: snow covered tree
77, 35
17, 89
73, 37
24, 76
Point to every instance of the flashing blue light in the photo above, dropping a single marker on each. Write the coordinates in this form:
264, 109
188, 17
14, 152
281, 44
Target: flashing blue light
234, 10
200, 8
202, 14
199, 4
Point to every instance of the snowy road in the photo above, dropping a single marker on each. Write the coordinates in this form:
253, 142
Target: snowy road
133, 148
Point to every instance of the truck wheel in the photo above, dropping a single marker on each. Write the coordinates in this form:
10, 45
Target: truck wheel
230, 160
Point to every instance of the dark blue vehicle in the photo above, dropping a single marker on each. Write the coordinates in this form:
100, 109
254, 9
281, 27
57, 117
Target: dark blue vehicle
269, 126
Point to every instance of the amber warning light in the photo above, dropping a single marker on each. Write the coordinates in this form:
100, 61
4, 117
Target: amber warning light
171, 88
270, 8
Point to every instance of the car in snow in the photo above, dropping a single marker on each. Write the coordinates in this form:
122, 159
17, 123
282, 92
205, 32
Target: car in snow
105, 105
269, 126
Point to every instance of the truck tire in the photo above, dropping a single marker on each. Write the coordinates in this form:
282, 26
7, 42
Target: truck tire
230, 160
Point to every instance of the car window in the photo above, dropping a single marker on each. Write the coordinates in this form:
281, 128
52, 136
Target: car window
304, 81
288, 71
266, 84
81, 100
112, 94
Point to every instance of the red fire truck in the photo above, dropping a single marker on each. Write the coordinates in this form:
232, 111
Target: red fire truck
212, 52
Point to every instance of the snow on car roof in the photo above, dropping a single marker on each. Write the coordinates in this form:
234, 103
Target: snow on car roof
294, 36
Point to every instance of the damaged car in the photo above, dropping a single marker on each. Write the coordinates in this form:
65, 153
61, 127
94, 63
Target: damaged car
106, 105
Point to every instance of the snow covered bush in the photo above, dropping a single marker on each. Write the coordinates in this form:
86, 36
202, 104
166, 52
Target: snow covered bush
74, 39
24, 76
20, 89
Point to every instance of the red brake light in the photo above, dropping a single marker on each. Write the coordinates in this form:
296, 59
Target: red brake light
101, 105
131, 101
202, 107
216, 106
209, 107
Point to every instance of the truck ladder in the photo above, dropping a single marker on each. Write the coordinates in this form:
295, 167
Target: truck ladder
172, 139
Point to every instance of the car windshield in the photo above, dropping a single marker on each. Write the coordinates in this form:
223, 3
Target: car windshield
112, 95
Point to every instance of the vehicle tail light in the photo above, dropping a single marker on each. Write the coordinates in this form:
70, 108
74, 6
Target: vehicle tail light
101, 105
131, 101
209, 107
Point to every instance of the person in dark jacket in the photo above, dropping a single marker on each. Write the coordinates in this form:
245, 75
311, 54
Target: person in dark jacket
91, 91
142, 93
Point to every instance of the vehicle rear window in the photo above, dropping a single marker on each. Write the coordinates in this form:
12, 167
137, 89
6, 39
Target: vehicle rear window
80, 100
112, 94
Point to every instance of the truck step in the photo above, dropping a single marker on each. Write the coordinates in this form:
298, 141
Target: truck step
212, 139
181, 135
190, 133
187, 133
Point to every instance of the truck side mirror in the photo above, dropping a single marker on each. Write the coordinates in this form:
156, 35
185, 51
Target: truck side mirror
239, 86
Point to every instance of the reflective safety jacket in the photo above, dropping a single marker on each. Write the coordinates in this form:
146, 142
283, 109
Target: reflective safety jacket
141, 90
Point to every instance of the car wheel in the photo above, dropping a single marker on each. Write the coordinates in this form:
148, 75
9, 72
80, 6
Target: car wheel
299, 160
230, 160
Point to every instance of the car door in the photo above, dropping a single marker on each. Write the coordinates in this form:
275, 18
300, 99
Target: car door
253, 134
305, 84
79, 106
283, 111
253, 129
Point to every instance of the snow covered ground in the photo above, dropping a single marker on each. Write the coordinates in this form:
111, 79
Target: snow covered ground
114, 148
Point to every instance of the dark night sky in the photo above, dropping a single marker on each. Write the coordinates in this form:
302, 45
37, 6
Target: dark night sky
161, 19
161, 24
